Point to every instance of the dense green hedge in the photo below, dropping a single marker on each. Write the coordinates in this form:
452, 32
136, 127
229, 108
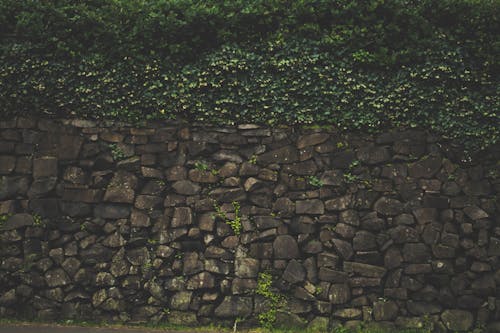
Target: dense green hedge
364, 64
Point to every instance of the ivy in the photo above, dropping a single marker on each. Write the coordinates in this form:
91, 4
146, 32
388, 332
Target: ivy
355, 65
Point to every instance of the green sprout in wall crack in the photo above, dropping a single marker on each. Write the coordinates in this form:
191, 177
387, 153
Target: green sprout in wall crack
4, 218
264, 285
37, 220
235, 223
117, 153
314, 181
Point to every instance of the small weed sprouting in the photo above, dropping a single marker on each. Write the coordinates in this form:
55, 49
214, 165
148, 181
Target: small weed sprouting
264, 284
354, 164
314, 181
350, 178
204, 167
341, 145
37, 220
117, 153
4, 218
235, 224
253, 159
201, 166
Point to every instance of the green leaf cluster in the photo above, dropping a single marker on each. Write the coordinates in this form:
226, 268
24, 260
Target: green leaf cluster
355, 64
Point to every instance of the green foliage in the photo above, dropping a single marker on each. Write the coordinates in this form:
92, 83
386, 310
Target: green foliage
357, 65
37, 220
201, 166
264, 288
235, 223
4, 218
116, 152
314, 181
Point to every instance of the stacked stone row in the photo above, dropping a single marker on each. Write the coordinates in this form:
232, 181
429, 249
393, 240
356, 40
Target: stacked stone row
105, 220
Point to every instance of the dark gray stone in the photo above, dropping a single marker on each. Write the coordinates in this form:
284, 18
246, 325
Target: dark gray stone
416, 253
388, 206
17, 221
311, 207
186, 187
339, 293
457, 320
285, 247
111, 211
287, 154
234, 306
294, 272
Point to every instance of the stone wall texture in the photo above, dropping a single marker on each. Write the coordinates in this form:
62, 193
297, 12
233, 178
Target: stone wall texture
106, 221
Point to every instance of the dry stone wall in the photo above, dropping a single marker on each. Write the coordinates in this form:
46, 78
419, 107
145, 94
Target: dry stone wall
184, 223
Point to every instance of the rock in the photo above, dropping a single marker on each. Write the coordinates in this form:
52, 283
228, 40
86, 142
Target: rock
114, 240
294, 272
285, 247
307, 168
186, 187
374, 154
266, 222
332, 178
104, 279
343, 248
332, 275
7, 164
284, 207
494, 247
182, 318
147, 202
350, 217
192, 264
246, 267
383, 311
339, 204
364, 269
82, 195
139, 219
201, 176
111, 211
181, 300
475, 213
202, 280
388, 206
45, 166
425, 215
41, 187
416, 253
234, 306
57, 278
348, 313
182, 217
71, 266
17, 221
13, 186
287, 154
121, 188
403, 234
425, 168
457, 320
228, 194
311, 140
138, 256
342, 160
318, 324
312, 207
364, 241
339, 293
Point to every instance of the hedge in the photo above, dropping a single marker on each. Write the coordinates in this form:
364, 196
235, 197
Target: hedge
358, 65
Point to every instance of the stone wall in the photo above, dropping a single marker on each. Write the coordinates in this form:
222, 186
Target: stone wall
104, 221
